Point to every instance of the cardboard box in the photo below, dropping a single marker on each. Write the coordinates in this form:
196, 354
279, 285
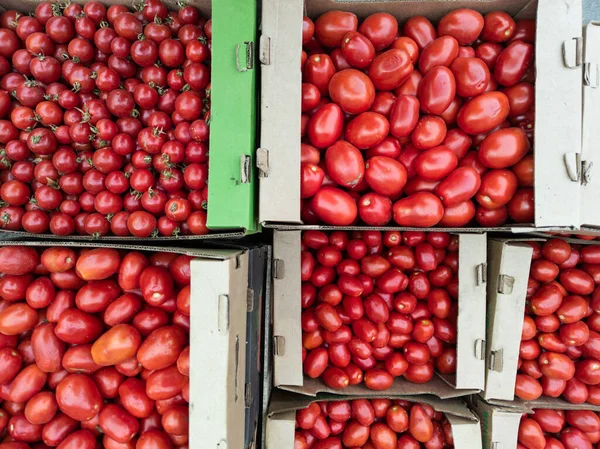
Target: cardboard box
233, 115
287, 332
563, 169
508, 274
225, 340
281, 420
500, 420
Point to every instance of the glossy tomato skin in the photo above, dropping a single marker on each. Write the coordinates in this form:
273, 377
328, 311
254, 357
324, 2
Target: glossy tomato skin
352, 90
421, 209
440, 52
331, 27
513, 62
437, 90
483, 113
464, 25
503, 148
116, 345
472, 76
325, 126
367, 130
78, 397
390, 69
334, 206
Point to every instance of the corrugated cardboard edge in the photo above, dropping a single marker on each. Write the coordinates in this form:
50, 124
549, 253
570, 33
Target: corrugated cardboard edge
558, 99
287, 333
401, 387
205, 253
282, 417
508, 273
218, 352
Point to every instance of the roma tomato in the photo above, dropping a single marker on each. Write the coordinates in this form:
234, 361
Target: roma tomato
116, 345
334, 206
483, 113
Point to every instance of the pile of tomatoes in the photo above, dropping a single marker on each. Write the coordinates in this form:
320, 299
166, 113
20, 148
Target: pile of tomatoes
371, 424
104, 119
421, 125
559, 429
560, 341
94, 349
376, 306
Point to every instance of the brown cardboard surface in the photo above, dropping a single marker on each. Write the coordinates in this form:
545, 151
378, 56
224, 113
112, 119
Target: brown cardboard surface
543, 402
287, 333
558, 101
282, 402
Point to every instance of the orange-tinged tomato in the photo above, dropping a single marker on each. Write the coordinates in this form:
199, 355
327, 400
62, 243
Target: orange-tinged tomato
17, 318
116, 345
98, 264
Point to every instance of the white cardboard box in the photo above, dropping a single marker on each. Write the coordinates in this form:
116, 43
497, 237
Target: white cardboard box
219, 309
287, 332
281, 419
508, 274
565, 190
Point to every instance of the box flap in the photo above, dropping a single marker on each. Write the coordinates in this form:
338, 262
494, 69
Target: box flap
590, 153
508, 273
283, 402
281, 80
218, 352
499, 426
287, 332
400, 387
231, 197
558, 108
470, 347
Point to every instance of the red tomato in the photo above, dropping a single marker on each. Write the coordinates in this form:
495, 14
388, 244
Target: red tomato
98, 264
472, 76
325, 126
116, 345
352, 90
367, 130
421, 210
440, 52
331, 27
464, 25
389, 69
437, 90
345, 164
483, 113
78, 397
513, 62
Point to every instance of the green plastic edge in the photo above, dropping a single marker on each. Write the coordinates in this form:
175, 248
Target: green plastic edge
232, 204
